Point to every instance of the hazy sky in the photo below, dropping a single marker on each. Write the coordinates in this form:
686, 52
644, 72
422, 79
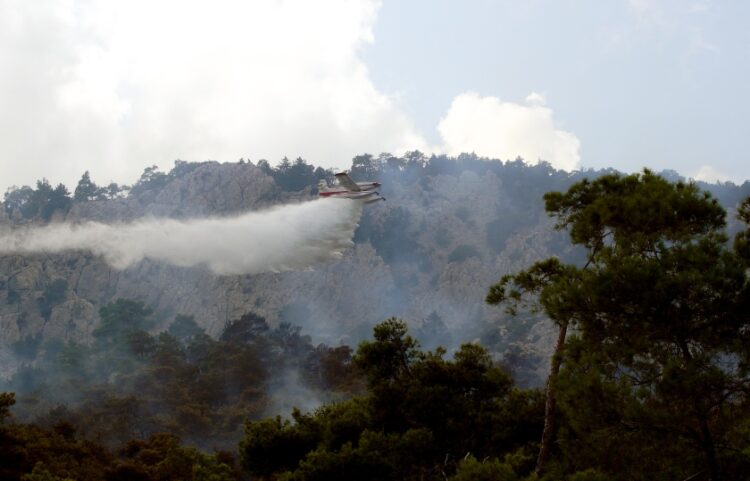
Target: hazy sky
112, 87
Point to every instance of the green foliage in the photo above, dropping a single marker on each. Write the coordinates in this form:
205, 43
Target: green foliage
294, 176
49, 200
332, 369
113, 191
121, 317
131, 383
184, 328
422, 414
542, 281
7, 399
265, 167
390, 355
40, 473
19, 200
248, 328
140, 343
488, 470
588, 475
366, 166
661, 309
634, 214
30, 453
151, 179
742, 240
41, 202
87, 190
273, 445
653, 386
162, 458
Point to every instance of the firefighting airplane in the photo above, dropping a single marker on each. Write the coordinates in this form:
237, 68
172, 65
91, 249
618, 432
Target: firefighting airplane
348, 189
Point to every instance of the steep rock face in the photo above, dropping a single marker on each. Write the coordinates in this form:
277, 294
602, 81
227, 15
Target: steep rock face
71, 319
207, 189
427, 255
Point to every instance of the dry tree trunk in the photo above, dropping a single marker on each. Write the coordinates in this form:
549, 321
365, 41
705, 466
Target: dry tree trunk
550, 404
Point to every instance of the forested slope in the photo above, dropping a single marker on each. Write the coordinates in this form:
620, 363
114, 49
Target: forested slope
450, 227
650, 382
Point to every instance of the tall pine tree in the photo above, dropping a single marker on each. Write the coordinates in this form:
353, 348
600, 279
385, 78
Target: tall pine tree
660, 310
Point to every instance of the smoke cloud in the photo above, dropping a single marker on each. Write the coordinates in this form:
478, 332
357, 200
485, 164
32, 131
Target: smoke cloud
289, 237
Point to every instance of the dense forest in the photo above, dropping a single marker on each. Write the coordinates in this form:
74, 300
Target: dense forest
650, 306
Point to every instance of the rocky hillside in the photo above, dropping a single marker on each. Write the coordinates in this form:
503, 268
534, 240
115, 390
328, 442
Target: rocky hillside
450, 228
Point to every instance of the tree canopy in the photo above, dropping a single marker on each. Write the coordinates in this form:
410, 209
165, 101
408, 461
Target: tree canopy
660, 349
422, 415
649, 380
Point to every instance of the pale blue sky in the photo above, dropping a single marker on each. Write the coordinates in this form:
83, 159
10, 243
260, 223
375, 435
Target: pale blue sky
664, 84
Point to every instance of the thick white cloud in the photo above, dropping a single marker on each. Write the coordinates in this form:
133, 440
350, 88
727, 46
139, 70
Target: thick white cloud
491, 127
111, 87
708, 173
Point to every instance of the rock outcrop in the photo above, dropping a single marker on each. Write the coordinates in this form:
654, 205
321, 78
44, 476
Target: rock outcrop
427, 255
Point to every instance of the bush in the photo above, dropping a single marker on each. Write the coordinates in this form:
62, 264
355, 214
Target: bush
489, 470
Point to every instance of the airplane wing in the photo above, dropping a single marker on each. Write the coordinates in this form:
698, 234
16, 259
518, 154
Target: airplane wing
347, 182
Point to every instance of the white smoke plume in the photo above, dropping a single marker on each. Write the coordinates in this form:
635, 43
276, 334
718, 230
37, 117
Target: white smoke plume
289, 237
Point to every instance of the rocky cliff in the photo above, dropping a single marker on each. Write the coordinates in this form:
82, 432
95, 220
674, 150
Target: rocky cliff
426, 255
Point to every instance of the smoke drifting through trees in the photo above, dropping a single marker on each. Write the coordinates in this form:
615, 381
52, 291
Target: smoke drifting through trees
283, 238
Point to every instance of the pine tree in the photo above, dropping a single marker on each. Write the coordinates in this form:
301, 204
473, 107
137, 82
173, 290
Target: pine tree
660, 309
86, 189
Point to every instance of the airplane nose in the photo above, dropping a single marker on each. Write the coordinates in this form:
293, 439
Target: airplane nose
376, 184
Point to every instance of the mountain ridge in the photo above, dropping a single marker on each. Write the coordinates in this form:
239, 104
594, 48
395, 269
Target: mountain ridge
450, 228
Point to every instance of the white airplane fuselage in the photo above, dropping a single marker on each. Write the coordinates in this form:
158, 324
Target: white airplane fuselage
347, 189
